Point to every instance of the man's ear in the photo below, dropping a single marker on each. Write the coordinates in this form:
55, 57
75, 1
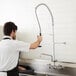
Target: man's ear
11, 34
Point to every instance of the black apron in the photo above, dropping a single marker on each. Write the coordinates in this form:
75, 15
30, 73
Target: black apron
14, 71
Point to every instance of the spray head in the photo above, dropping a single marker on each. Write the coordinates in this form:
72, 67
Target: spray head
40, 45
40, 34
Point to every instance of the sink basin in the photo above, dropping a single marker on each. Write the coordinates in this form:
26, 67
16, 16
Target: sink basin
46, 68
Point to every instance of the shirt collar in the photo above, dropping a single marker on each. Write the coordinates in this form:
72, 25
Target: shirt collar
7, 37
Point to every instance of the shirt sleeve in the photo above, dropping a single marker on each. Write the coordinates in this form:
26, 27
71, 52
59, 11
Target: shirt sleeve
22, 46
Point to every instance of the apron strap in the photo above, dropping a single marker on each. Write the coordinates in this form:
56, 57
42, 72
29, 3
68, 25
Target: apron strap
6, 38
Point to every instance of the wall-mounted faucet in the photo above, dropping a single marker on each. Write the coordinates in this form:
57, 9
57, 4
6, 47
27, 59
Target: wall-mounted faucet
53, 34
52, 60
42, 4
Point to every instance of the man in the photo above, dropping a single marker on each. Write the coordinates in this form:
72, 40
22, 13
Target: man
10, 48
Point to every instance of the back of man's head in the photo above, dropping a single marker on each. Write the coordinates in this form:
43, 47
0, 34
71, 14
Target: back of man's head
9, 27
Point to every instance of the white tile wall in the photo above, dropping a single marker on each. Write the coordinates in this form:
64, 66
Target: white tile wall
22, 12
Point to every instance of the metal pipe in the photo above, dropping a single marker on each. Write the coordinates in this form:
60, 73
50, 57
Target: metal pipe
48, 55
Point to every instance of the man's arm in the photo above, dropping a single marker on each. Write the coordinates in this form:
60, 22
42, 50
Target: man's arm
37, 43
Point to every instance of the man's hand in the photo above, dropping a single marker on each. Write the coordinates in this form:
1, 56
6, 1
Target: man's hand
37, 43
21, 68
39, 38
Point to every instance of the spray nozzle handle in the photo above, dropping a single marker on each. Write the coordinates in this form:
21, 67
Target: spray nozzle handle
40, 34
40, 45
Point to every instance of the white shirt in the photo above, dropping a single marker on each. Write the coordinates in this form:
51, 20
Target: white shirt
9, 53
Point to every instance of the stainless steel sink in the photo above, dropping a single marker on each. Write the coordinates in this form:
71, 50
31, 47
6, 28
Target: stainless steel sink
46, 68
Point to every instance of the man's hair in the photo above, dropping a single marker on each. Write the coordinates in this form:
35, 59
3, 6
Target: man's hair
9, 27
